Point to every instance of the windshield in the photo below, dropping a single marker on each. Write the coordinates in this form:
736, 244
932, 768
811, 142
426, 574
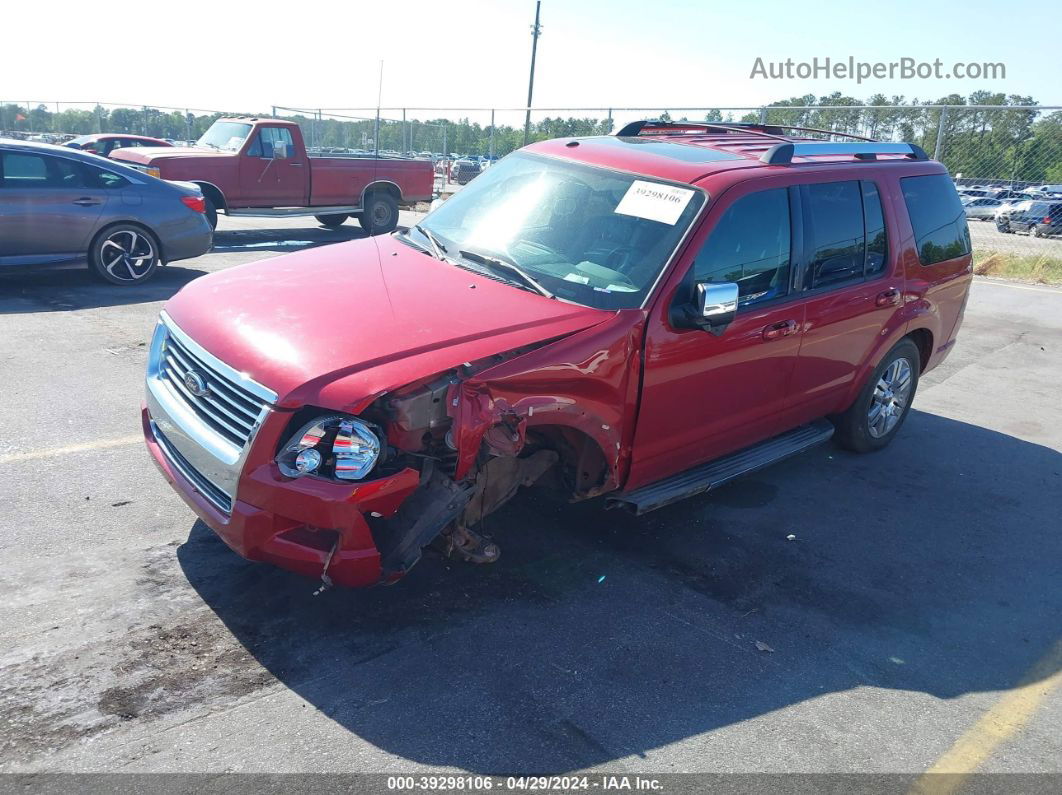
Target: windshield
228, 136
589, 235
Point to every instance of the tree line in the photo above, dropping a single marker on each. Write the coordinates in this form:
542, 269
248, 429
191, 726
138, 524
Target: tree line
1005, 144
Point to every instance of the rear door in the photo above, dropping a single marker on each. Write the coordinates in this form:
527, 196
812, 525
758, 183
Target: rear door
270, 181
48, 213
705, 395
853, 285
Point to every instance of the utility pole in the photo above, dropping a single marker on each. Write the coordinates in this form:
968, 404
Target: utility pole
376, 130
535, 32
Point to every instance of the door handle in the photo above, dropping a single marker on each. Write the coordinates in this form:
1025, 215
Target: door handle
887, 297
295, 165
85, 201
783, 328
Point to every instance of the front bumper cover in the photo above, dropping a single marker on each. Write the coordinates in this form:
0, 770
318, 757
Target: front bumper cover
278, 520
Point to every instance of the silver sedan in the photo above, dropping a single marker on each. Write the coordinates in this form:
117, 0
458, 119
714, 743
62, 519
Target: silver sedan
981, 209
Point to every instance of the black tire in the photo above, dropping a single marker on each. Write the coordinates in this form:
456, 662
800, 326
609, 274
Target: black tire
332, 221
1034, 230
124, 254
211, 212
380, 214
1003, 227
854, 429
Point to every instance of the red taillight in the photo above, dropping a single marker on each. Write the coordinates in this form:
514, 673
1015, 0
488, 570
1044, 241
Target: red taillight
1047, 219
197, 203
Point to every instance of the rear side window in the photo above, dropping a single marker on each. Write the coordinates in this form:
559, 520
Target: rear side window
846, 232
874, 221
750, 245
835, 219
98, 178
937, 217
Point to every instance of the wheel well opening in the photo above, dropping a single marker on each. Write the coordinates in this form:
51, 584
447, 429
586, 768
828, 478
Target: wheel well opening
216, 197
923, 339
582, 469
381, 187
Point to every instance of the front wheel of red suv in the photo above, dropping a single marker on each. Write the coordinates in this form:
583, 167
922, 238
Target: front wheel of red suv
874, 419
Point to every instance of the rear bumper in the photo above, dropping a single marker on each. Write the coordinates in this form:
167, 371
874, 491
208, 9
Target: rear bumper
190, 237
294, 523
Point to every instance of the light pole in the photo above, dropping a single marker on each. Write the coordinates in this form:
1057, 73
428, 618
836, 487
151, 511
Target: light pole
535, 32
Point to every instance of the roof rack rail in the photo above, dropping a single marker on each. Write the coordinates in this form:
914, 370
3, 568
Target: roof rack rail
783, 153
635, 127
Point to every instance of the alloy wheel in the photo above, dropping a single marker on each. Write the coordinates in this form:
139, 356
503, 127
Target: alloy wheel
127, 255
890, 398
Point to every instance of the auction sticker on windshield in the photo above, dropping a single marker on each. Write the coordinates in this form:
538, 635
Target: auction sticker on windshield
656, 202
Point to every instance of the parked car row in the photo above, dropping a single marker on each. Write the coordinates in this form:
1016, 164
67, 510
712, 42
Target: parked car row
1039, 218
63, 207
126, 204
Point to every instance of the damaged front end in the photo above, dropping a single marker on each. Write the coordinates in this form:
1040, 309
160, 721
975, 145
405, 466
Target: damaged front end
556, 415
354, 496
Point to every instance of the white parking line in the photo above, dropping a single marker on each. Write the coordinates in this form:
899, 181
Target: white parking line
102, 444
1028, 287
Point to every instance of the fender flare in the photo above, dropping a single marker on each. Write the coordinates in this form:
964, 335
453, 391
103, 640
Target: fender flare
389, 185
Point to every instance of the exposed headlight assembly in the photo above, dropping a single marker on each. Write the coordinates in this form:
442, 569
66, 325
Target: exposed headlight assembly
339, 447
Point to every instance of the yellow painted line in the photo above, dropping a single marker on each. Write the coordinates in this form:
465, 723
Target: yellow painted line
1006, 718
102, 444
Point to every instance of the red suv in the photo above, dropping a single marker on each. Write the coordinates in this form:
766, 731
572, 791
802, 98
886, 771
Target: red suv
643, 316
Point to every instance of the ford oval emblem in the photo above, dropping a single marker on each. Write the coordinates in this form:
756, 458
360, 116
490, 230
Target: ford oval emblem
196, 384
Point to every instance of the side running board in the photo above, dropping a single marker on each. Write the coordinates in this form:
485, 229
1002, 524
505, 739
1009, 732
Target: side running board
715, 473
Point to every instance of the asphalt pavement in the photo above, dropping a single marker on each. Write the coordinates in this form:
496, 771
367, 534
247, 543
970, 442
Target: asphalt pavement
835, 612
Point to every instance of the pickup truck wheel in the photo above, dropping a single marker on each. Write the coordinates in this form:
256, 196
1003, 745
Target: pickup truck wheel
873, 420
1034, 230
211, 212
332, 221
380, 214
124, 254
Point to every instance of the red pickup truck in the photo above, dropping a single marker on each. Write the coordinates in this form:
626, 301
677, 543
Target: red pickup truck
260, 167
643, 316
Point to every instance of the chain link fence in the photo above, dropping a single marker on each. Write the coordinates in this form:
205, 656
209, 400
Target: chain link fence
1005, 158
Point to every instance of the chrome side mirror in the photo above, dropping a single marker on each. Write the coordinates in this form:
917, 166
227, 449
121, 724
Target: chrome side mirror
712, 308
717, 302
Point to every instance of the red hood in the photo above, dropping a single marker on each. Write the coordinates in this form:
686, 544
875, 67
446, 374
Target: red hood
151, 155
339, 324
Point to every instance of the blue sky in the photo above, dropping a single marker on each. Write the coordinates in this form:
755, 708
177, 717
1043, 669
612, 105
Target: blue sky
454, 53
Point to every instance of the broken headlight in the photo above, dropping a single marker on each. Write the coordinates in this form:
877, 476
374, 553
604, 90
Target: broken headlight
339, 446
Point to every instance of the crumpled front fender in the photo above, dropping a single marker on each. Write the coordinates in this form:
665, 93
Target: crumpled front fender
587, 381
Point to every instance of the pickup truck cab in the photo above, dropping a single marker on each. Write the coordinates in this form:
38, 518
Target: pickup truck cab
260, 167
643, 316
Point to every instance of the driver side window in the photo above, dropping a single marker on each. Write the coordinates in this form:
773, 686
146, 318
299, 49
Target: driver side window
750, 245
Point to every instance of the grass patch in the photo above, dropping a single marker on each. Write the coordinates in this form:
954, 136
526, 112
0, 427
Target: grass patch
1026, 267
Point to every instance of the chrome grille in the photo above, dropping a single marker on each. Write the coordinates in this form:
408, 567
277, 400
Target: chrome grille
227, 408
216, 496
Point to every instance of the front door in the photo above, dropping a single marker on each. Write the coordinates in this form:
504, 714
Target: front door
270, 181
47, 211
706, 395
